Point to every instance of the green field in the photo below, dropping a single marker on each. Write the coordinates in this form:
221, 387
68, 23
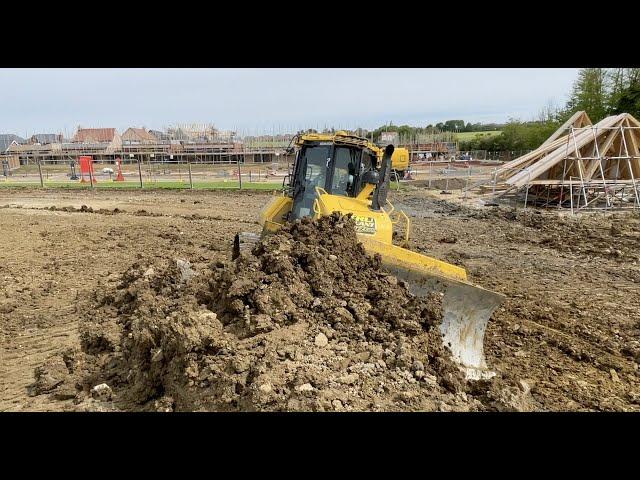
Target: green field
466, 136
108, 185
148, 185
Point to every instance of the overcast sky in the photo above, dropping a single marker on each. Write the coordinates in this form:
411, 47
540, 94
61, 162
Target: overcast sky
263, 100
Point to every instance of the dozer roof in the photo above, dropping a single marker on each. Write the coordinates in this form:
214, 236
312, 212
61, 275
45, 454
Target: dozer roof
399, 160
340, 137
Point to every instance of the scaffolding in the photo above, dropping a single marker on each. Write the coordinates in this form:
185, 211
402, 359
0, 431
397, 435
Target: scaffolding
580, 167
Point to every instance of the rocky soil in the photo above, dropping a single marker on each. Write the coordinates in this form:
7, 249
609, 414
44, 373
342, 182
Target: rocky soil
567, 337
308, 321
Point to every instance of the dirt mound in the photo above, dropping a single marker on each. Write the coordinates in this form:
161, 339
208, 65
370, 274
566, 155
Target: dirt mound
614, 236
455, 183
307, 321
84, 209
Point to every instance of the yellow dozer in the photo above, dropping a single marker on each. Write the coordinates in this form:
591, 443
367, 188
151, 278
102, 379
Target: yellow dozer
348, 174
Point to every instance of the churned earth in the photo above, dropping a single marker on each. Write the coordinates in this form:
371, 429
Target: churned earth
137, 290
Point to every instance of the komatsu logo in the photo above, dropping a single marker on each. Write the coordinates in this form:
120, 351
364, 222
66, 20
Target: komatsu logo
366, 225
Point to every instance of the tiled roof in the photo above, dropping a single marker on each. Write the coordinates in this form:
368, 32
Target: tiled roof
89, 135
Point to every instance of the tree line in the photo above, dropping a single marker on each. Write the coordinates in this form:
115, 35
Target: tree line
407, 131
598, 91
606, 91
454, 126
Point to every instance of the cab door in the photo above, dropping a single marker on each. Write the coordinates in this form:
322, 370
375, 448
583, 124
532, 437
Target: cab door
344, 171
313, 167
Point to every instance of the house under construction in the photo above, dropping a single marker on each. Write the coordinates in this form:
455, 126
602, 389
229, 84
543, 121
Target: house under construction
183, 143
424, 146
581, 166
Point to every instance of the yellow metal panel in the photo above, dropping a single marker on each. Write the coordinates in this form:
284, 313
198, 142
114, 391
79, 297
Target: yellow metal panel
400, 159
409, 260
340, 137
365, 193
368, 222
272, 215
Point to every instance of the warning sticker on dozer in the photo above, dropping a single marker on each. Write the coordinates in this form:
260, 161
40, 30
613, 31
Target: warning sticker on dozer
365, 224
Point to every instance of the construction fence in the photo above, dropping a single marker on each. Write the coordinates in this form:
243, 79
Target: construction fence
149, 173
500, 156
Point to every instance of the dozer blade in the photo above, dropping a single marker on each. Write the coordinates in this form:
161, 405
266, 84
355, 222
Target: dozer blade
466, 308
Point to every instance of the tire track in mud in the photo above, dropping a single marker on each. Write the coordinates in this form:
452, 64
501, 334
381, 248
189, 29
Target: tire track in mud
22, 355
137, 213
591, 296
52, 259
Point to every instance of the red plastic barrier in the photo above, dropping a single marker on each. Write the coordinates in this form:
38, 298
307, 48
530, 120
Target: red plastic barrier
86, 166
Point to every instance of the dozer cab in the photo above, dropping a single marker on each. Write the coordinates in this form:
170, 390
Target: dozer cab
348, 174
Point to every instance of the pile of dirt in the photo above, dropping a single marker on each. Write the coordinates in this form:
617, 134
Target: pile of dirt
84, 209
445, 184
144, 213
307, 321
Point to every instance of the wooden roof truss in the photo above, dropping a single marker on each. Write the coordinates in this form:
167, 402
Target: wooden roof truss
598, 164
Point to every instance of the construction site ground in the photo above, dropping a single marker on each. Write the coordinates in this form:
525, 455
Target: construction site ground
569, 328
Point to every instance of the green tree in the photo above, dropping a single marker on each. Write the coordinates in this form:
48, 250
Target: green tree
624, 84
451, 125
515, 135
616, 85
628, 101
590, 94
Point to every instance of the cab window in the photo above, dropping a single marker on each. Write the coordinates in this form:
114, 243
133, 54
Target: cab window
313, 174
345, 163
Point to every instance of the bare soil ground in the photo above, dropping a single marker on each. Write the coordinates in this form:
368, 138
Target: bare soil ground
569, 330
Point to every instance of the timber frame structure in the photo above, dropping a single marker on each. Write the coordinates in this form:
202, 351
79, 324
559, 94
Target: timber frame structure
581, 166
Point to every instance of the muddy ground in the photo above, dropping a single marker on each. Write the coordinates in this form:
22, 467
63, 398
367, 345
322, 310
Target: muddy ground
568, 332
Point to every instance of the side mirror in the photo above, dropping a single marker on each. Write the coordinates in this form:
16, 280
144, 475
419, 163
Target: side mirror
372, 177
